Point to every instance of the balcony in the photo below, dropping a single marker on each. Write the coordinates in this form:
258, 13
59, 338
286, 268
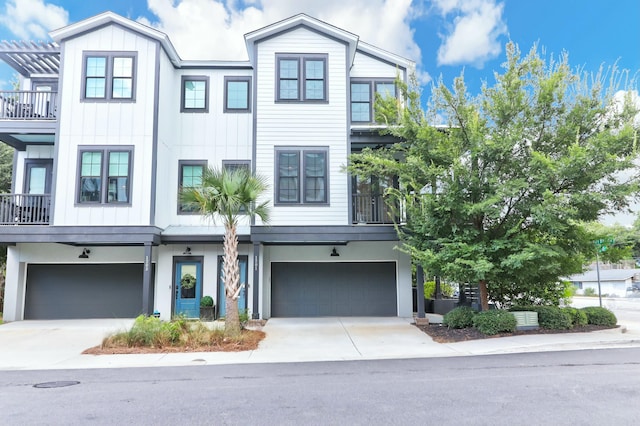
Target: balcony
28, 105
24, 209
372, 209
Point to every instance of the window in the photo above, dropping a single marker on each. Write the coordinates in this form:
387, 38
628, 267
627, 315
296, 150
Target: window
108, 76
301, 176
237, 96
301, 78
105, 175
195, 94
190, 173
231, 165
361, 98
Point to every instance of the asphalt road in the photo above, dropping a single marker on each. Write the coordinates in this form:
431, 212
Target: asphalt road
599, 387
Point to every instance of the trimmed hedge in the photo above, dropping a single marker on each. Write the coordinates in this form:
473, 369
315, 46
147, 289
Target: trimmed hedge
461, 317
494, 322
549, 317
600, 316
578, 317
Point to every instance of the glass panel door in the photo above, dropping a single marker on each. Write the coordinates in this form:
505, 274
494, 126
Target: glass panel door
188, 285
242, 300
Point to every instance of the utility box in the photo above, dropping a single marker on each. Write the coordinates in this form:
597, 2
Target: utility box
526, 320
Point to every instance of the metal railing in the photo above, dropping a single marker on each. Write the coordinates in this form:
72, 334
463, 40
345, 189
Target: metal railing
27, 105
24, 209
367, 208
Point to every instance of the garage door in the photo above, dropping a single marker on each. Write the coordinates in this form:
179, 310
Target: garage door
83, 291
333, 289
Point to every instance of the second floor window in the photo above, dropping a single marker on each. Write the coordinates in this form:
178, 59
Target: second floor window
108, 76
301, 78
195, 94
363, 97
237, 94
105, 175
190, 172
301, 176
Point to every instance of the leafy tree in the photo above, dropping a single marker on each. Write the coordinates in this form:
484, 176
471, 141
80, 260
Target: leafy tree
6, 166
499, 194
229, 195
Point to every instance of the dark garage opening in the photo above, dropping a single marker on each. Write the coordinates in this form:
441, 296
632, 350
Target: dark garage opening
72, 291
307, 289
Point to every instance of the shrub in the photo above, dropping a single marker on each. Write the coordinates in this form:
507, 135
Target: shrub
578, 317
600, 316
430, 289
152, 332
549, 317
494, 322
590, 291
461, 317
206, 301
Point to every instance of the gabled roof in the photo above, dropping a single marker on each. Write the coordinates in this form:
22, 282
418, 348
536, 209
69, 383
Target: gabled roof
404, 63
296, 21
107, 18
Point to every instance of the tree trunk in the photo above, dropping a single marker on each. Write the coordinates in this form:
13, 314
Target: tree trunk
484, 295
231, 282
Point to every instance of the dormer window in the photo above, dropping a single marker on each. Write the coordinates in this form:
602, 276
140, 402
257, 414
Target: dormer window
301, 78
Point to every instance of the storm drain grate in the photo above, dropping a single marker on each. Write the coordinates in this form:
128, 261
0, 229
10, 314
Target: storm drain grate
60, 384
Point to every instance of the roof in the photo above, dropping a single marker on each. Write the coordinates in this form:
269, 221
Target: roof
106, 18
29, 57
305, 21
606, 275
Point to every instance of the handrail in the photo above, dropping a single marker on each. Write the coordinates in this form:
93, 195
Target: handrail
24, 209
369, 208
28, 105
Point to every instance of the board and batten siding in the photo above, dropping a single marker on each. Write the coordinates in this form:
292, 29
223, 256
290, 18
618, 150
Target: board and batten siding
365, 66
214, 136
300, 124
105, 124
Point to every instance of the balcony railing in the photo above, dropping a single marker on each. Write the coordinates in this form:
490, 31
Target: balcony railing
27, 105
369, 208
24, 209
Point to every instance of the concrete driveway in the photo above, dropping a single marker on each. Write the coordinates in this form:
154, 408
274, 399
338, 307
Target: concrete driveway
52, 344
59, 344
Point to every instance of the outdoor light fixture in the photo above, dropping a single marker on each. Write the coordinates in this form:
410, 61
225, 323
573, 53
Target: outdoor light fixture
85, 254
187, 251
334, 252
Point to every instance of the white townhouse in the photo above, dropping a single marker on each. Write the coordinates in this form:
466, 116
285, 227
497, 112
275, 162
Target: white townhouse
110, 122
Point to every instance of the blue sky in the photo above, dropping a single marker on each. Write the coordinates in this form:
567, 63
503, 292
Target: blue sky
444, 37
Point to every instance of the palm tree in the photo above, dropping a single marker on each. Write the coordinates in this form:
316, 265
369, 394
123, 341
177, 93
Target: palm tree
228, 195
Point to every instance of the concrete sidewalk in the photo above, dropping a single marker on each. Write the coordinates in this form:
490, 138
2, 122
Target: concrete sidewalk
37, 345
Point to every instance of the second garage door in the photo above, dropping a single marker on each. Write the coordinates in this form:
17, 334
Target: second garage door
83, 291
333, 289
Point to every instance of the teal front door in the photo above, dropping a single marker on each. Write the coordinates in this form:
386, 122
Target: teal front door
188, 285
242, 300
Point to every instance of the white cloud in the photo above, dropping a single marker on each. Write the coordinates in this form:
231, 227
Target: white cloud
29, 19
205, 29
473, 36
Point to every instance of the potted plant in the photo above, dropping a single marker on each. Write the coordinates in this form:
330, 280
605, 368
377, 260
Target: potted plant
207, 309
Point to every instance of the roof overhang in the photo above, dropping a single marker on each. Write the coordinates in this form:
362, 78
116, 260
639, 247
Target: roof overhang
108, 18
301, 20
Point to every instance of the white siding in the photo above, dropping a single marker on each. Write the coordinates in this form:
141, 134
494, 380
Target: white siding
304, 125
364, 66
214, 136
105, 123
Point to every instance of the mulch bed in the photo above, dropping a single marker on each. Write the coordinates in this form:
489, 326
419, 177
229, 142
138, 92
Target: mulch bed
250, 341
444, 334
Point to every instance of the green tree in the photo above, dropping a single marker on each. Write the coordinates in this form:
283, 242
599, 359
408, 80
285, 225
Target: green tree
499, 194
6, 166
227, 196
